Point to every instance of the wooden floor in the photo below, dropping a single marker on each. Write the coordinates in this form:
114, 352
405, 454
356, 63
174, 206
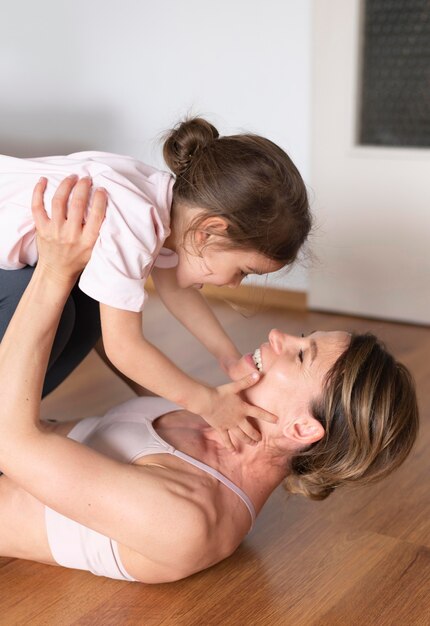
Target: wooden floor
360, 558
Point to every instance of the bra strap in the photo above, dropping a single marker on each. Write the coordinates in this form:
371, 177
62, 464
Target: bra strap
222, 479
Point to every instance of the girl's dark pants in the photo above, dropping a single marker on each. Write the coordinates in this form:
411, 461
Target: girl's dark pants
78, 330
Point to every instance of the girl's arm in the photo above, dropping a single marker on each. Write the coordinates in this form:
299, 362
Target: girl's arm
138, 359
191, 309
122, 501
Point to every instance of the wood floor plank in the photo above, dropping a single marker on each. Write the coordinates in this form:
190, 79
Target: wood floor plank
361, 557
394, 592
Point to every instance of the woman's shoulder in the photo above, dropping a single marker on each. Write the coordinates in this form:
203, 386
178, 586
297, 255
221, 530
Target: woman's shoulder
190, 536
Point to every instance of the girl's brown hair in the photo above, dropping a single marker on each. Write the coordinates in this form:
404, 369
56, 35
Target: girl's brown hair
370, 415
247, 180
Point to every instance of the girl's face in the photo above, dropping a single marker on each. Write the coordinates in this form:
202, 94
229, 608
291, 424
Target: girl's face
223, 268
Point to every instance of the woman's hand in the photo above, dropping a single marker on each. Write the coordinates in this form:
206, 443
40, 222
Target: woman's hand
228, 413
65, 240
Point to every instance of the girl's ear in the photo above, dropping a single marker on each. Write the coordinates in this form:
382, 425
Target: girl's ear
209, 227
214, 224
304, 430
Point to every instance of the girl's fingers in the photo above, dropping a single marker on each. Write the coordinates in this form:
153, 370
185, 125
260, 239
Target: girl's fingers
38, 206
243, 437
96, 214
249, 410
249, 431
60, 199
244, 383
227, 440
261, 414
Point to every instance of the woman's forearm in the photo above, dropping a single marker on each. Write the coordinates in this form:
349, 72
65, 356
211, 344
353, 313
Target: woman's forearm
64, 243
26, 346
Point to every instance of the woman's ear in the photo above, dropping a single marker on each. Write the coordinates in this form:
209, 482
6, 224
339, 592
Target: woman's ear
304, 430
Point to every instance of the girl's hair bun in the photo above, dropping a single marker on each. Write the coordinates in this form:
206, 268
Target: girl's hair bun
185, 141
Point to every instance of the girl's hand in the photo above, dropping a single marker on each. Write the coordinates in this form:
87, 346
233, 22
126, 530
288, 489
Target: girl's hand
237, 368
65, 240
228, 413
230, 365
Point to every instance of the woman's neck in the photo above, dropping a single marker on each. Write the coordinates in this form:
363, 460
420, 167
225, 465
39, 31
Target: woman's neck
257, 469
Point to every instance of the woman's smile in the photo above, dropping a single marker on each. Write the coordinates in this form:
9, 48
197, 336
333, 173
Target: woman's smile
258, 356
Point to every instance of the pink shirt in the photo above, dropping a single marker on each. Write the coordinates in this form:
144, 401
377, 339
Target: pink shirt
131, 237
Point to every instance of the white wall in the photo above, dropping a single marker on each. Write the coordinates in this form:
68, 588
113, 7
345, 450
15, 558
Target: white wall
372, 203
113, 74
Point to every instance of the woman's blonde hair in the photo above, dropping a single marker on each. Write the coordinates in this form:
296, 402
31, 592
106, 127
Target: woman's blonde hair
370, 415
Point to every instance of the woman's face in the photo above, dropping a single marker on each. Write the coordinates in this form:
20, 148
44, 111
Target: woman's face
293, 369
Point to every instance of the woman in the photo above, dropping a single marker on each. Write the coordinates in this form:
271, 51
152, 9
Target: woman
154, 496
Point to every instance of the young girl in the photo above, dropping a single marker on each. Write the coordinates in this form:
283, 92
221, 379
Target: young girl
236, 206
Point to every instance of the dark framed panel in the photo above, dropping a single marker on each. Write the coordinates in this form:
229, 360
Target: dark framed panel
395, 73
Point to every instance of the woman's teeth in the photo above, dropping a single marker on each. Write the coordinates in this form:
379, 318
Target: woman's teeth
256, 357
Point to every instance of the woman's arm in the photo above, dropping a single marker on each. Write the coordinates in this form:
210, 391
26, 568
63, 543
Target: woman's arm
191, 309
64, 248
122, 501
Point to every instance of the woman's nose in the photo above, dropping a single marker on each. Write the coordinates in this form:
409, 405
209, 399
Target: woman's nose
277, 340
281, 342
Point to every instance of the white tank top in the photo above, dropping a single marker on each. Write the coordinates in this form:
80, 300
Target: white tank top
125, 433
